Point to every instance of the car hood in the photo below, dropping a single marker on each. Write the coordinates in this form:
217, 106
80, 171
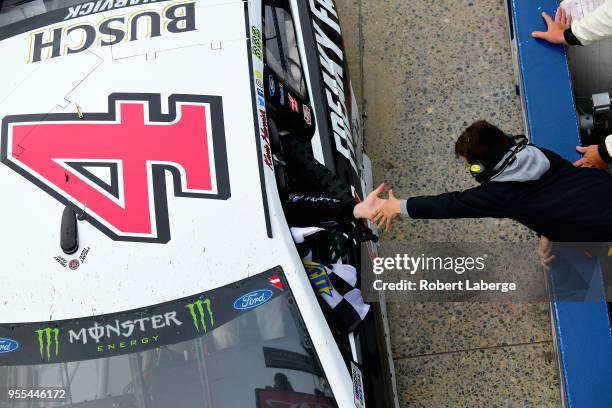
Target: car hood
148, 131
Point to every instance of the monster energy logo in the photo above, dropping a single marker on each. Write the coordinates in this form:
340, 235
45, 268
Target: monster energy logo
198, 313
46, 338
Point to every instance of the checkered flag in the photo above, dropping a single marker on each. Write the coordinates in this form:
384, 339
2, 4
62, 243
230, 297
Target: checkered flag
336, 284
337, 287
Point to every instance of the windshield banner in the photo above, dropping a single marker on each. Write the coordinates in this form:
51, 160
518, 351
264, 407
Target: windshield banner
136, 330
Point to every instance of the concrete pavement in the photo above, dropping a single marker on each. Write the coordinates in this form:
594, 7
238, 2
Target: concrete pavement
424, 70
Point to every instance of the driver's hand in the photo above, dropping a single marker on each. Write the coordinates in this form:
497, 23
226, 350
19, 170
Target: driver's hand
367, 207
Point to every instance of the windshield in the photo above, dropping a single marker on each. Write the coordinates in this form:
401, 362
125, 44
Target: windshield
13, 11
243, 345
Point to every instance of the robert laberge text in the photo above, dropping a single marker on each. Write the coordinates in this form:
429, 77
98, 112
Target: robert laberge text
437, 285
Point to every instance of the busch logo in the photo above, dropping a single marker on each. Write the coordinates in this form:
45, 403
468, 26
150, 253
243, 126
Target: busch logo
198, 313
48, 338
113, 165
67, 39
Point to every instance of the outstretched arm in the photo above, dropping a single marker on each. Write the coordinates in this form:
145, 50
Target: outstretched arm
476, 202
594, 27
306, 210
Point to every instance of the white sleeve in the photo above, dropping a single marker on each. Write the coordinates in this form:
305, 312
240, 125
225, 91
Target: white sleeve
608, 144
595, 26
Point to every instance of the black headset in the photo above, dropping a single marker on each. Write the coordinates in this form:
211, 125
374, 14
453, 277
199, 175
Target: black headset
483, 172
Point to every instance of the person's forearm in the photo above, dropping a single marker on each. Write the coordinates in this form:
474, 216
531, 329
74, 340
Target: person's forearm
304, 210
595, 26
467, 204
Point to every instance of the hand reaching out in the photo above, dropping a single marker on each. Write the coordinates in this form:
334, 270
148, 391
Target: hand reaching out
372, 202
555, 29
387, 212
545, 252
590, 158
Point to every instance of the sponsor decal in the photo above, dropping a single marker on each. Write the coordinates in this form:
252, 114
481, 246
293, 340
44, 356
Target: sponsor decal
199, 310
272, 85
253, 299
123, 329
290, 360
357, 377
259, 85
141, 341
293, 103
265, 137
8, 345
319, 278
329, 44
135, 145
307, 115
270, 398
276, 282
281, 94
61, 260
52, 42
74, 264
84, 253
256, 42
48, 342
92, 7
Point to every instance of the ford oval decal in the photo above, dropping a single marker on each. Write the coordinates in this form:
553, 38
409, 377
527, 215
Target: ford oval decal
253, 299
8, 345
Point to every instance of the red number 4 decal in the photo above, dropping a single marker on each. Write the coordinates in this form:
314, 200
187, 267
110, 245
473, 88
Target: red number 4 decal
114, 164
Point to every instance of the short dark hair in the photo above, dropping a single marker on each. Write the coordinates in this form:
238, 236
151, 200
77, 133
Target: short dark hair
484, 142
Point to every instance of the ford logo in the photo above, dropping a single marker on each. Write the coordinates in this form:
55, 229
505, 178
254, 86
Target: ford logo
8, 345
253, 299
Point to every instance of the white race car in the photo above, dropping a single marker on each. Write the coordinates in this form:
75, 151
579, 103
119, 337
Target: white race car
147, 147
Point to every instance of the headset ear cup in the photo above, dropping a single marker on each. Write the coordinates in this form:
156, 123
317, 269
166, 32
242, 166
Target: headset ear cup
479, 171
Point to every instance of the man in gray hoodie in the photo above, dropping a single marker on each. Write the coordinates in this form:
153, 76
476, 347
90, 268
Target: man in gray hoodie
531, 185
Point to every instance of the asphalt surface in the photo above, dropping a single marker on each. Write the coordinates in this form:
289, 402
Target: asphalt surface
423, 71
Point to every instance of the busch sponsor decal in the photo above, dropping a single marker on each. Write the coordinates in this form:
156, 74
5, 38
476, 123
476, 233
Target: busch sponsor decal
8, 345
137, 145
200, 310
253, 299
329, 43
53, 42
